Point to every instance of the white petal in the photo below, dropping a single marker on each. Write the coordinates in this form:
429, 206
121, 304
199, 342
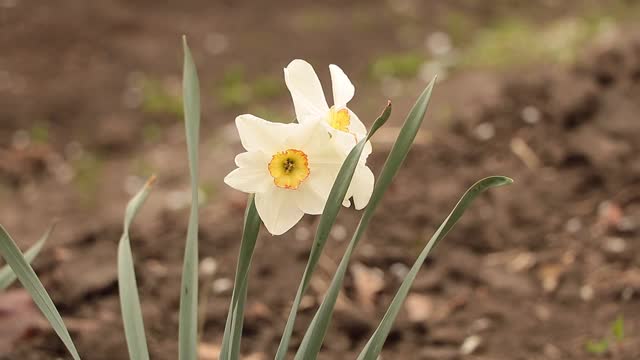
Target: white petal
257, 134
307, 134
315, 141
306, 91
366, 152
356, 126
362, 186
247, 180
309, 200
344, 141
254, 159
322, 178
343, 89
278, 209
252, 175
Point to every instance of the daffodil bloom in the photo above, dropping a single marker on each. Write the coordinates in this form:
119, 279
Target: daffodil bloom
345, 127
289, 167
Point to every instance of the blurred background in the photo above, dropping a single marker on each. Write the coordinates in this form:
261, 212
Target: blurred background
546, 92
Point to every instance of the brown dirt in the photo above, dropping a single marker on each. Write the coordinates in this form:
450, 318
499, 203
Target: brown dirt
534, 270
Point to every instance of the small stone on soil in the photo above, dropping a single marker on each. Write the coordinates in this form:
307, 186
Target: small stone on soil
485, 131
302, 233
573, 225
586, 293
530, 114
470, 345
339, 232
216, 43
368, 282
439, 43
208, 266
399, 270
419, 308
208, 351
222, 285
614, 245
481, 324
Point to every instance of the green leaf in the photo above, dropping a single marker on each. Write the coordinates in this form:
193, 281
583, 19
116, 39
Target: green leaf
316, 331
327, 219
129, 299
373, 347
188, 334
7, 276
14, 258
597, 347
233, 328
617, 328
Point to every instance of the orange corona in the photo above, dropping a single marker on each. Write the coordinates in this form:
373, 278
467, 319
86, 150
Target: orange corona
289, 168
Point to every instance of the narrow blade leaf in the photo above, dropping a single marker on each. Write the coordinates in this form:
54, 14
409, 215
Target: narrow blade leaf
374, 346
316, 331
188, 334
617, 328
233, 328
327, 219
7, 276
127, 284
28, 278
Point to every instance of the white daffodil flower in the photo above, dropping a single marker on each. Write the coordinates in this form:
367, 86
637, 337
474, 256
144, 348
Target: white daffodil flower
345, 127
289, 167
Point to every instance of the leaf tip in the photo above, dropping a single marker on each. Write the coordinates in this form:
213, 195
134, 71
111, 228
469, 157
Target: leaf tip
52, 227
431, 84
151, 181
387, 109
185, 46
497, 181
386, 112
381, 120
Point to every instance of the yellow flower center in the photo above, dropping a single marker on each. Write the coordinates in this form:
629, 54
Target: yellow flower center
339, 119
289, 168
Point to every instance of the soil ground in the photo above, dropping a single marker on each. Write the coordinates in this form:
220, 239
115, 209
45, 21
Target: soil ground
533, 271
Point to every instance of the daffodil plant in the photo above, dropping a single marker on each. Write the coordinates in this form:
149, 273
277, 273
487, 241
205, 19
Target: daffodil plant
314, 165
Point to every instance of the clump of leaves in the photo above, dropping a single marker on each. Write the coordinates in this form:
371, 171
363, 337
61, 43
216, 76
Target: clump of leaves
88, 171
39, 133
603, 345
158, 99
401, 65
236, 91
314, 336
517, 41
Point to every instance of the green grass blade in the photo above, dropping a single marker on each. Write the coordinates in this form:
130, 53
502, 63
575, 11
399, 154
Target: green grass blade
617, 328
188, 334
373, 347
233, 328
14, 258
237, 324
129, 299
316, 331
327, 219
7, 276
